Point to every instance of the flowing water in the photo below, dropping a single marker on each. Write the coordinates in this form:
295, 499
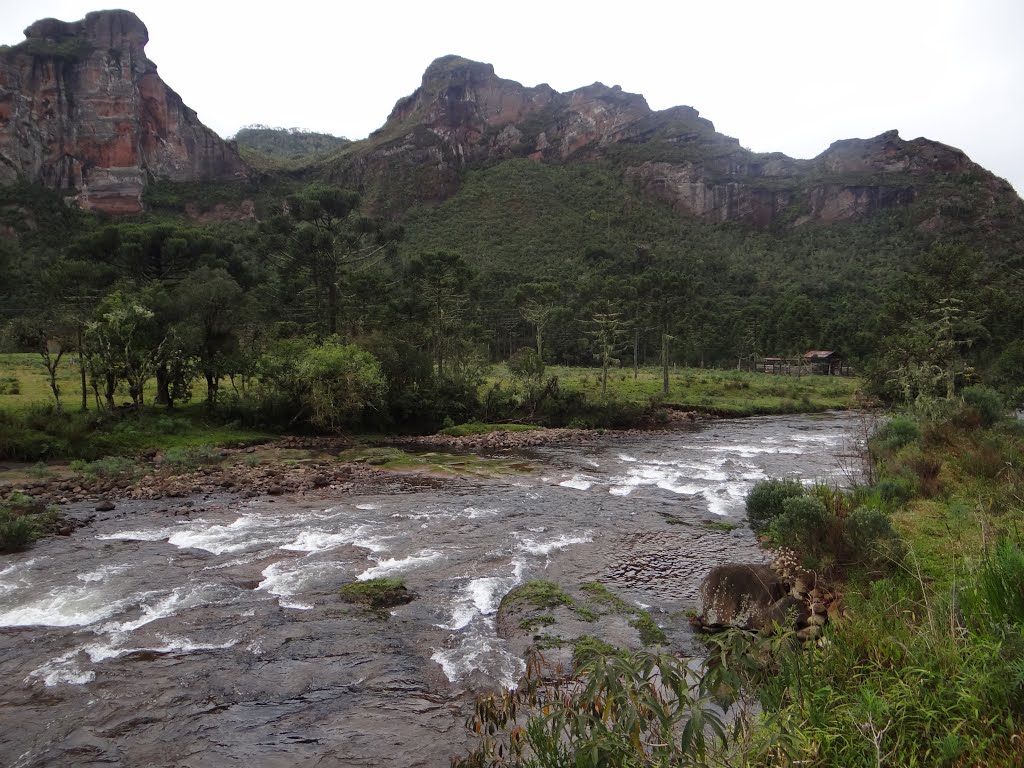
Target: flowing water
218, 639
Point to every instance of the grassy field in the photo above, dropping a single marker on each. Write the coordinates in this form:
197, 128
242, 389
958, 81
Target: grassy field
732, 393
716, 391
25, 394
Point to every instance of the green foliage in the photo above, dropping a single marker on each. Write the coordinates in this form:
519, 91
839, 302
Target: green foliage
107, 467
9, 385
802, 525
24, 520
895, 434
376, 593
998, 592
587, 649
896, 682
539, 594
767, 499
871, 539
984, 405
650, 633
191, 458
290, 143
478, 428
342, 381
625, 710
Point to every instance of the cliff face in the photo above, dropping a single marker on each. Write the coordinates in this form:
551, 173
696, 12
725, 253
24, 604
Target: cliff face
83, 110
464, 116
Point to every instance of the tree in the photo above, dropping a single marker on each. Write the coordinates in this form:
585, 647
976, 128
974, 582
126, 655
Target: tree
212, 301
608, 330
321, 238
123, 344
538, 303
441, 279
342, 381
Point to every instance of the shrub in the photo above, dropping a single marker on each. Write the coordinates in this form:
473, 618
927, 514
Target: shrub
764, 503
998, 593
982, 405
9, 386
895, 434
804, 525
16, 532
871, 538
894, 492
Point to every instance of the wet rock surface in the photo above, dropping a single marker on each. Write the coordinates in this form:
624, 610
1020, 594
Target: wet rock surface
205, 629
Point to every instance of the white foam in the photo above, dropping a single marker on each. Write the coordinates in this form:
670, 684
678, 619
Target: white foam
534, 547
151, 534
14, 576
686, 489
621, 490
473, 512
73, 606
98, 652
64, 669
398, 564
321, 540
179, 599
480, 650
626, 457
287, 578
367, 506
577, 482
247, 532
103, 572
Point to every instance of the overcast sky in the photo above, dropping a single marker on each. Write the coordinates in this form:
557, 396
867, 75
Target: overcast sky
779, 76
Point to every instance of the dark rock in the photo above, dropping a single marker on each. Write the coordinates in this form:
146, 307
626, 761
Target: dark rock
104, 505
741, 596
275, 490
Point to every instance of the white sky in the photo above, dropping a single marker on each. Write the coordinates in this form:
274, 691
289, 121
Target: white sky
779, 75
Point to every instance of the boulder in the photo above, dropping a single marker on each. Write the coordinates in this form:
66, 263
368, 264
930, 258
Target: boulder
743, 596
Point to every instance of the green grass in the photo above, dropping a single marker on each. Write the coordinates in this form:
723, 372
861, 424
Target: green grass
477, 428
376, 593
397, 460
727, 393
23, 521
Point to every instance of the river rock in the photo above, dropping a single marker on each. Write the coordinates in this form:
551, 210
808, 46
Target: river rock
104, 505
740, 595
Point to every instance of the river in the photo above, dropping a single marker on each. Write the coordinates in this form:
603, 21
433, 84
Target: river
218, 639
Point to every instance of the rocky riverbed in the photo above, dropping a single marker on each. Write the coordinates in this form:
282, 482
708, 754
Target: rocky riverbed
206, 628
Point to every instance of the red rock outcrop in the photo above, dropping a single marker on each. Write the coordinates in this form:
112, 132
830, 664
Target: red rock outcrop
464, 116
83, 110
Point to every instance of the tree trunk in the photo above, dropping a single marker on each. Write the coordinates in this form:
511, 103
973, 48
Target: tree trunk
636, 354
604, 378
332, 308
664, 363
163, 394
81, 371
212, 385
108, 392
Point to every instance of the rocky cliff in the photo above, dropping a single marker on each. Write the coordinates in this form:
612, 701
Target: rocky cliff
464, 116
83, 110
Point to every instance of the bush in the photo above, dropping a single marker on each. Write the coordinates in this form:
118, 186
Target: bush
983, 406
998, 594
15, 532
895, 434
871, 539
804, 525
894, 492
765, 501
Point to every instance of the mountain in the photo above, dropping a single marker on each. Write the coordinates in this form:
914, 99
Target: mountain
83, 111
463, 116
